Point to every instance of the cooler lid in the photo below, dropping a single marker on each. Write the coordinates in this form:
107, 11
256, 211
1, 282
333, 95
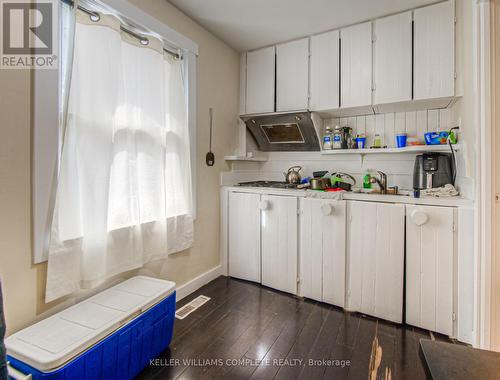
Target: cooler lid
56, 340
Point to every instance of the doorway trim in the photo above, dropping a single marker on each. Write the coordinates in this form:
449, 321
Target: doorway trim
487, 304
493, 101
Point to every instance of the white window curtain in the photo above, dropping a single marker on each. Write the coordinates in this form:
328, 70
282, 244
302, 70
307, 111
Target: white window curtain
124, 191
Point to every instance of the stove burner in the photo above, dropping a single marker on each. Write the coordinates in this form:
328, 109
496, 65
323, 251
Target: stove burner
273, 184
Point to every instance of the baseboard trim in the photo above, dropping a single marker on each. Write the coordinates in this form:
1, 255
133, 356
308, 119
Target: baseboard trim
193, 285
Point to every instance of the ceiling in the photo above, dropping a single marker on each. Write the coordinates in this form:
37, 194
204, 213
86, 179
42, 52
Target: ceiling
249, 24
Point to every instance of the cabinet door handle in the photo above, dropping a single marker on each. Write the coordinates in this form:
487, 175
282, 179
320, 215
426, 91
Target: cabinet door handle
264, 205
327, 209
419, 217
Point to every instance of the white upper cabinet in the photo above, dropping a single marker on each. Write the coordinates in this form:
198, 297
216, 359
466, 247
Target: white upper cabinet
397, 63
393, 58
260, 68
325, 73
429, 267
356, 65
292, 75
434, 51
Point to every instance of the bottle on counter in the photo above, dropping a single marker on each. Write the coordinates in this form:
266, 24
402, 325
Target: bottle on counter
327, 138
366, 181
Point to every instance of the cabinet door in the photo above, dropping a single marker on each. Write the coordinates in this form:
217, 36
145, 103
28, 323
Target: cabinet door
393, 58
322, 250
356, 65
292, 75
279, 242
260, 81
434, 51
429, 267
244, 236
376, 259
325, 71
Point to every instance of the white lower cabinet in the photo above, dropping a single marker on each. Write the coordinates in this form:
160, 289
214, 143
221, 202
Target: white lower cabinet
322, 250
279, 242
375, 235
349, 254
244, 236
429, 267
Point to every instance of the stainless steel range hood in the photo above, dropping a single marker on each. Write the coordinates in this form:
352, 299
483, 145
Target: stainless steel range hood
277, 132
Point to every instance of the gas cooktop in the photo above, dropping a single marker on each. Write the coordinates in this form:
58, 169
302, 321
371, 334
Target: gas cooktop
274, 184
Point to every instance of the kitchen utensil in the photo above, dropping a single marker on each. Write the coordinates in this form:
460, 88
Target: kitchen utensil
338, 180
319, 183
342, 175
320, 173
401, 140
343, 185
346, 137
432, 170
210, 158
292, 175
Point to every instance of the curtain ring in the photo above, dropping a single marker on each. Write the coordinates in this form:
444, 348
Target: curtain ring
94, 16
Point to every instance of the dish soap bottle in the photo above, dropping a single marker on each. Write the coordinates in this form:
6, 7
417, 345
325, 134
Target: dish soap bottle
366, 181
327, 139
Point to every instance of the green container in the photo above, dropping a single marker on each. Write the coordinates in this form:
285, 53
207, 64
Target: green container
366, 181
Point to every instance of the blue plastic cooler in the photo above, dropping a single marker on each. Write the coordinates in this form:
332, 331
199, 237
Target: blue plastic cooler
111, 335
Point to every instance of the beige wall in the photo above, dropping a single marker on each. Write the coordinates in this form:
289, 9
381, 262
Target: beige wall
218, 80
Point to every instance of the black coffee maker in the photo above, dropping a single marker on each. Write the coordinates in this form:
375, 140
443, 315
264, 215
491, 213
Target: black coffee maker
433, 170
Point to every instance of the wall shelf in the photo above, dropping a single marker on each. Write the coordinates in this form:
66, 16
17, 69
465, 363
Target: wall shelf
408, 149
243, 158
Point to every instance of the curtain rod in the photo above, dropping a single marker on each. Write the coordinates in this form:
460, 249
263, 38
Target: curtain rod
95, 16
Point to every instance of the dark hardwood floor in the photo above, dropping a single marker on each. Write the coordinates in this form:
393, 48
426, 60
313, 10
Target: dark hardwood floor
247, 331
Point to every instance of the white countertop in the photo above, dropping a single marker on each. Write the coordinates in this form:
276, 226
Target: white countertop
423, 200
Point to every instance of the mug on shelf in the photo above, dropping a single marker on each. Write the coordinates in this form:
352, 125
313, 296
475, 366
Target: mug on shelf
361, 141
401, 140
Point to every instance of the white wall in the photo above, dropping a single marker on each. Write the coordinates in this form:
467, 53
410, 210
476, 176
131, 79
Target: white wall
398, 167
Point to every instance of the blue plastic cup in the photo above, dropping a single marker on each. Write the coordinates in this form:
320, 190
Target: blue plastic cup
401, 140
360, 142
